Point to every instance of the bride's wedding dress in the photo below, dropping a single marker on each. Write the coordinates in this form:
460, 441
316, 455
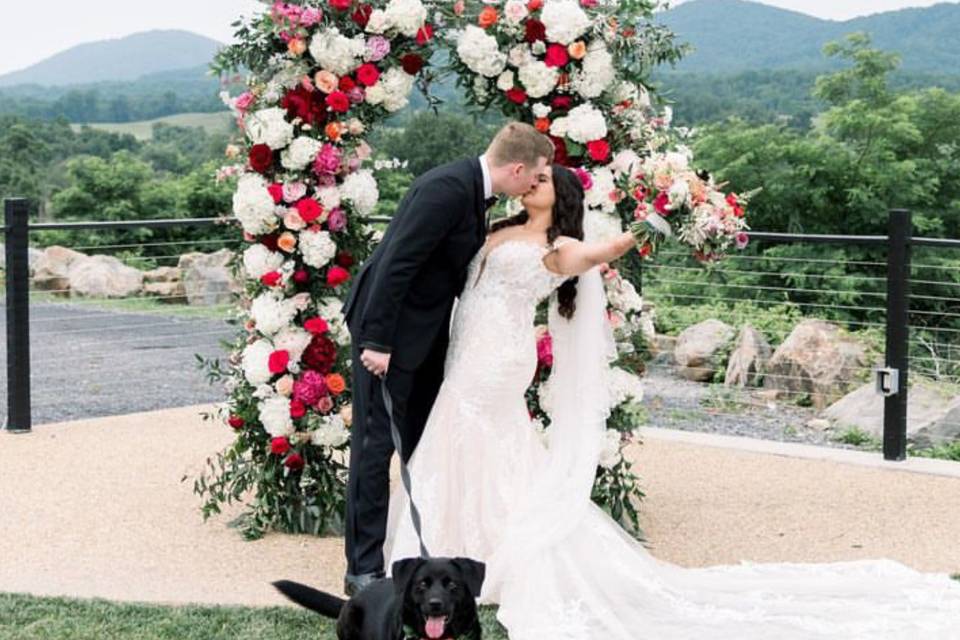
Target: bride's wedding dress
489, 488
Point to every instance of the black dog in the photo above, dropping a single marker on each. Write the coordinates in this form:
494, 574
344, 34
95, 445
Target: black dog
431, 599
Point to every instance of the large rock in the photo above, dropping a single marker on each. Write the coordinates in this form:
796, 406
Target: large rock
819, 360
929, 409
700, 348
208, 278
165, 285
51, 271
748, 360
104, 277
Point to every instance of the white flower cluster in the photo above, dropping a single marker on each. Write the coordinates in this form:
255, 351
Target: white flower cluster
565, 20
331, 310
336, 52
583, 124
275, 416
271, 313
255, 362
597, 72
538, 78
623, 296
406, 16
253, 205
258, 260
392, 90
481, 52
610, 455
317, 247
624, 386
294, 341
600, 195
300, 153
331, 433
269, 127
360, 189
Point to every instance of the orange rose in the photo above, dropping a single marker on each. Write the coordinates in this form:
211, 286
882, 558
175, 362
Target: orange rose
577, 50
296, 47
542, 124
534, 5
488, 17
287, 242
336, 384
333, 130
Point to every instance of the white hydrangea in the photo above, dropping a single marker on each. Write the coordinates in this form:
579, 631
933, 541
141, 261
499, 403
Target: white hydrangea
331, 310
331, 433
406, 16
583, 124
360, 189
515, 11
610, 455
397, 85
275, 417
481, 52
625, 162
541, 110
565, 20
624, 386
255, 362
258, 260
625, 90
329, 197
597, 72
269, 127
505, 81
317, 247
520, 55
271, 313
294, 341
336, 52
253, 205
623, 295
600, 226
538, 78
377, 23
300, 153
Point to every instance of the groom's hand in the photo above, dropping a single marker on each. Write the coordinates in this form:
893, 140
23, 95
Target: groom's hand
375, 362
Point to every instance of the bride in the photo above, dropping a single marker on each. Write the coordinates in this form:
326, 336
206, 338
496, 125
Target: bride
488, 487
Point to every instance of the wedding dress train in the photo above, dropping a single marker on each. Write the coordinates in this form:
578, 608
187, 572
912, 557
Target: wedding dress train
489, 488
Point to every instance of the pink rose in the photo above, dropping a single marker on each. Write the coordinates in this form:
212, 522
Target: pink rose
293, 221
326, 81
337, 220
325, 405
585, 178
378, 48
294, 191
328, 160
243, 102
742, 240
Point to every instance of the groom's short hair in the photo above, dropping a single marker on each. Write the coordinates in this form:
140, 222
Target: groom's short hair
519, 142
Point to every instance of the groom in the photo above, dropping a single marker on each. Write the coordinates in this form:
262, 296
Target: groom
398, 312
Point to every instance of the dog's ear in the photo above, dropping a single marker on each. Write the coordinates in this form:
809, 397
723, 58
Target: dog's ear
402, 572
473, 573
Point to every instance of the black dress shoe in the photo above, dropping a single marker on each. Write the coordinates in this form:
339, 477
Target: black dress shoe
352, 585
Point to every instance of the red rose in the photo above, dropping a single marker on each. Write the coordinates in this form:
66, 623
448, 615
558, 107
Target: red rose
305, 104
534, 5
536, 30
425, 34
560, 155
347, 84
645, 250
309, 209
276, 192
362, 15
341, 5
515, 95
297, 409
412, 63
344, 260
562, 103
279, 446
300, 276
261, 158
278, 361
294, 462
270, 241
368, 74
316, 326
557, 56
320, 354
271, 279
337, 276
338, 102
599, 150
236, 422
661, 202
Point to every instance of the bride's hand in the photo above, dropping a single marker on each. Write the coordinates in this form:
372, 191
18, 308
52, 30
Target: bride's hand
573, 257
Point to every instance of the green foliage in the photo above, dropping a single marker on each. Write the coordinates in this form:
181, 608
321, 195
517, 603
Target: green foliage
948, 451
858, 438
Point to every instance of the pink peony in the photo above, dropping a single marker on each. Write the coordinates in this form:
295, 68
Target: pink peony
337, 220
310, 388
545, 351
378, 48
328, 160
585, 178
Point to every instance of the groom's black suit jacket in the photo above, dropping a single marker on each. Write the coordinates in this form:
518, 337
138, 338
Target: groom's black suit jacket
402, 298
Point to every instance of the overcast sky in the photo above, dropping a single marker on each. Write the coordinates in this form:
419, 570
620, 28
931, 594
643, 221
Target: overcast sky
28, 35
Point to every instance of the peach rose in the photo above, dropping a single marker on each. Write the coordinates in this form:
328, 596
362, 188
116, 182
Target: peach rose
577, 50
346, 414
287, 242
284, 386
232, 151
356, 127
326, 81
296, 47
293, 221
488, 17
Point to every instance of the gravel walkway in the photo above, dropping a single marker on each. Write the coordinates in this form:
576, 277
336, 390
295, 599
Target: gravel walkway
88, 362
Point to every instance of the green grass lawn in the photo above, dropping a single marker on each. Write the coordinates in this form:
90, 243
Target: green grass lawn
148, 306
143, 130
30, 618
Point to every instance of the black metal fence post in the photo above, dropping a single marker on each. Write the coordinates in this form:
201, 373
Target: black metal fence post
18, 315
898, 316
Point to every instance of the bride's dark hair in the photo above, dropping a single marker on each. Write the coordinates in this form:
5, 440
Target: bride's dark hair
567, 221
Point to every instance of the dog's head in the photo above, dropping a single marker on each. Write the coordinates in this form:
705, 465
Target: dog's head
439, 594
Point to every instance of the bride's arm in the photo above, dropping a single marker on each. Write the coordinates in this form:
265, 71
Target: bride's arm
572, 257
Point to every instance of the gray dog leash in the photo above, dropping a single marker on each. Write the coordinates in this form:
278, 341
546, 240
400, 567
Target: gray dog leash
404, 472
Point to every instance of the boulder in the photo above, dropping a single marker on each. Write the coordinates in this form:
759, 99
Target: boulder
749, 358
700, 348
165, 285
819, 360
929, 408
208, 278
51, 271
104, 277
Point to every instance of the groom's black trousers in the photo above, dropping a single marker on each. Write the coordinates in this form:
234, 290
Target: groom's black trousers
371, 448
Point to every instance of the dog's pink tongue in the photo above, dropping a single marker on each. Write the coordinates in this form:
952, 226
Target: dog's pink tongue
435, 628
